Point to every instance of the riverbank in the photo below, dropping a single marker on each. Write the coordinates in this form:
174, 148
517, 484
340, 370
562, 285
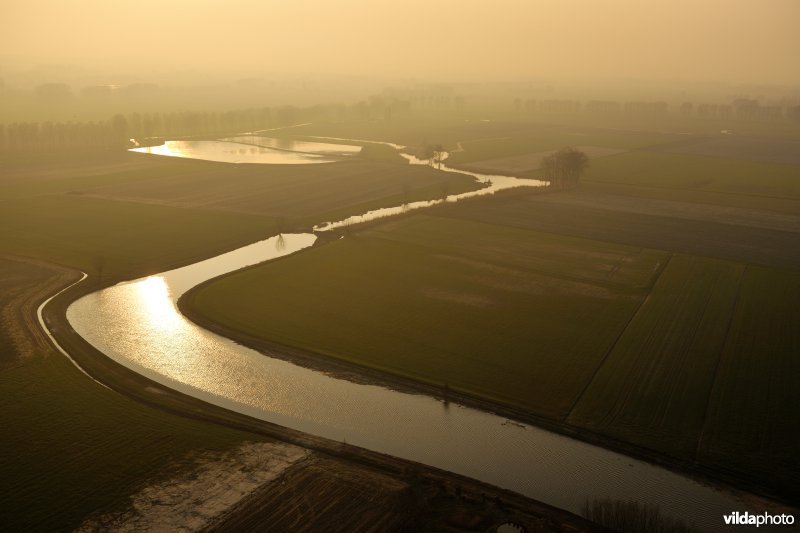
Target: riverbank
365, 375
152, 394
71, 446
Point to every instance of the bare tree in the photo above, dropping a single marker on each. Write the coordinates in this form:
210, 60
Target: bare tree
434, 153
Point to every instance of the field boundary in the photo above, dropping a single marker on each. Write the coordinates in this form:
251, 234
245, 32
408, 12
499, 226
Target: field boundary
720, 355
616, 340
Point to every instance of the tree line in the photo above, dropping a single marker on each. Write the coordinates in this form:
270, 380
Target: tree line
741, 108
116, 132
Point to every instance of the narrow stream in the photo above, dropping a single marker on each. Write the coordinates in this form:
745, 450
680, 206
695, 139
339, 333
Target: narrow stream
137, 324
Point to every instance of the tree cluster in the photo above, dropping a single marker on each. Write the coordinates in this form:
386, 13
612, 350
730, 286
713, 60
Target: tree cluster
434, 153
564, 168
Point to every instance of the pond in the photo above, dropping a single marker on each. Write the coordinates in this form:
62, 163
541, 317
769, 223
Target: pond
253, 150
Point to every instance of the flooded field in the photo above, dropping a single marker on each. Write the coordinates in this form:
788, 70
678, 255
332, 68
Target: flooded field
233, 152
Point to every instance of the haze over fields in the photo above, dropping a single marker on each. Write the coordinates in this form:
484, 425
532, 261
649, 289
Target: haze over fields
717, 40
431, 265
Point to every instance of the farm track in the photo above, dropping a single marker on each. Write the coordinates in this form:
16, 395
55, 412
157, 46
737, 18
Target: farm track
34, 281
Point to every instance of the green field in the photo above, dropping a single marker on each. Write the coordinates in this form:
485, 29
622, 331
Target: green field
130, 214
484, 309
753, 410
120, 238
715, 234
653, 387
696, 172
296, 194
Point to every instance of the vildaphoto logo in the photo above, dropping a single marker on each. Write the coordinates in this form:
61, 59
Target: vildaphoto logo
765, 519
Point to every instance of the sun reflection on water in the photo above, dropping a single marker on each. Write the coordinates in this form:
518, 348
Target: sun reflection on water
152, 295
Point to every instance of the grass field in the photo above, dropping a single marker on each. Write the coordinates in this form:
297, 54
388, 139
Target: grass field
696, 172
653, 387
488, 139
120, 238
298, 194
769, 149
484, 309
130, 213
675, 226
753, 409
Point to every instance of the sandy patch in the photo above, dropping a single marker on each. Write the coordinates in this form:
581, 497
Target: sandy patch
196, 496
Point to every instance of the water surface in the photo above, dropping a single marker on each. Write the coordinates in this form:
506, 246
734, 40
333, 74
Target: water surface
294, 145
232, 152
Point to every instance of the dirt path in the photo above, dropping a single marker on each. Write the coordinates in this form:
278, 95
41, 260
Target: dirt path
24, 284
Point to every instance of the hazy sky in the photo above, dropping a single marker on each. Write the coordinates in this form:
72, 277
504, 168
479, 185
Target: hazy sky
724, 40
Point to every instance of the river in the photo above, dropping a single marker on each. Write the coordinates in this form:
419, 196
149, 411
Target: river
137, 324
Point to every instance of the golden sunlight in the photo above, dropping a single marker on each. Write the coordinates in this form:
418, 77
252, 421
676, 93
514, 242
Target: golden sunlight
153, 296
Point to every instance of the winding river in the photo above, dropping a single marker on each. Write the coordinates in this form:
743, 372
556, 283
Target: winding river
137, 324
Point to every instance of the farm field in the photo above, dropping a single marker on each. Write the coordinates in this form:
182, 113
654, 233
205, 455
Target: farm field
696, 172
322, 492
680, 227
489, 139
112, 239
653, 387
483, 309
168, 215
769, 150
753, 408
736, 216
297, 194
